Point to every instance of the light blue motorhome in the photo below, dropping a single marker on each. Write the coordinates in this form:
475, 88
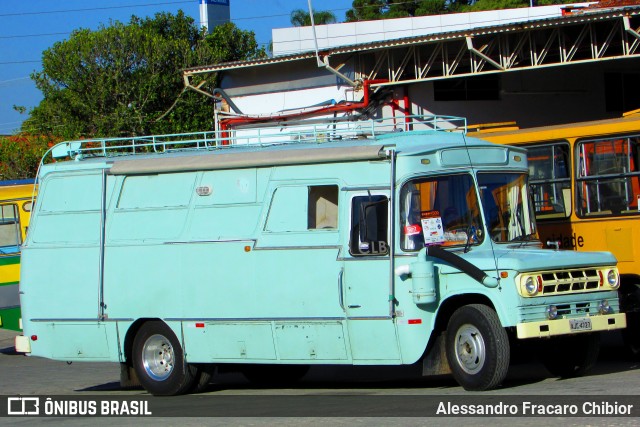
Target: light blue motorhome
175, 254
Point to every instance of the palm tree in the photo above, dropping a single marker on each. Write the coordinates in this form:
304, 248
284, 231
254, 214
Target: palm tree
301, 18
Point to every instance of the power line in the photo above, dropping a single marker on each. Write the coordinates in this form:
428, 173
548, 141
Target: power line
46, 12
14, 80
19, 62
20, 36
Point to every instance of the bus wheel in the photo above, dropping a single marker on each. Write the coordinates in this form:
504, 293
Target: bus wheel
274, 375
571, 356
477, 347
159, 361
630, 304
631, 334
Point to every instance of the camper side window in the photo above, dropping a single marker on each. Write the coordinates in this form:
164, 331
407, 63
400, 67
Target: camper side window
323, 207
302, 208
369, 225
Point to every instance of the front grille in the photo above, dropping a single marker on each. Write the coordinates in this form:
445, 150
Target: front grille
567, 281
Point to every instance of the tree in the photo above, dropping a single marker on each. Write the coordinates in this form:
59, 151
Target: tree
123, 78
20, 155
301, 18
365, 10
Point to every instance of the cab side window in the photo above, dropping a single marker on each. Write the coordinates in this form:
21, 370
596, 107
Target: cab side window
369, 225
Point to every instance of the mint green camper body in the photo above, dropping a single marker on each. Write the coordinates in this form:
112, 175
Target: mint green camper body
298, 254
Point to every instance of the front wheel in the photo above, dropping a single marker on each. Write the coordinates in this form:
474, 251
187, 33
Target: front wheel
158, 361
477, 348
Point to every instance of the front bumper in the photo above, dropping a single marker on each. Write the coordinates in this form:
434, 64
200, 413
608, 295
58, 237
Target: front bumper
550, 328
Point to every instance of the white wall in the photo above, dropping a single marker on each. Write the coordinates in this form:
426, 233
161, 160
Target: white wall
287, 41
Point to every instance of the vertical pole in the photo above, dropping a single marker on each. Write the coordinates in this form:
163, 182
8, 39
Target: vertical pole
315, 37
392, 235
103, 218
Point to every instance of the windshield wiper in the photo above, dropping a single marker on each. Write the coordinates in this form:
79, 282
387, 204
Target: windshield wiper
471, 235
524, 238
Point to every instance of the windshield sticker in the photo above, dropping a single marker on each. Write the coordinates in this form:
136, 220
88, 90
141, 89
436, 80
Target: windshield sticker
432, 227
412, 229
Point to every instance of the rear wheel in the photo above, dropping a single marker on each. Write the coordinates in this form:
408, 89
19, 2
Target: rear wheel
158, 361
202, 378
571, 356
477, 347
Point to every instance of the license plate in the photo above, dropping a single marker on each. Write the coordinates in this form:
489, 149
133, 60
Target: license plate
583, 324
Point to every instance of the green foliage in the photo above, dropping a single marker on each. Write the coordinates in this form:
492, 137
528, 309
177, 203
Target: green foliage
366, 10
123, 78
301, 18
20, 155
495, 4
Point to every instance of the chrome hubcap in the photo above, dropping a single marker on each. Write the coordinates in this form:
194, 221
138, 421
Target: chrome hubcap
470, 349
158, 358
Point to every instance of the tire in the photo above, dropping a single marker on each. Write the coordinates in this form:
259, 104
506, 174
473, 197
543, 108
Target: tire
477, 348
630, 304
274, 375
158, 361
202, 379
571, 356
631, 335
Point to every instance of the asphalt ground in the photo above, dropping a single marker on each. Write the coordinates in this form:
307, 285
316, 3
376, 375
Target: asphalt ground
335, 387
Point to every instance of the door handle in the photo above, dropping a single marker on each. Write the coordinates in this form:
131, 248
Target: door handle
340, 290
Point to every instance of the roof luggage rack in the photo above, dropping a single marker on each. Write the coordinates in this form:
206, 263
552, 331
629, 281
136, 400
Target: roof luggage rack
277, 133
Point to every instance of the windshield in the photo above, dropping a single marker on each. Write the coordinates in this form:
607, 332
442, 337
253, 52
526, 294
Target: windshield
507, 207
441, 210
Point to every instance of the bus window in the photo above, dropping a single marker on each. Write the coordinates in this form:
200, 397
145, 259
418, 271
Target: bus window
10, 238
608, 178
549, 179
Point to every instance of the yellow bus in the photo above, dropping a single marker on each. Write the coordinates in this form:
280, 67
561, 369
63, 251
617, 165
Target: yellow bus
15, 210
585, 180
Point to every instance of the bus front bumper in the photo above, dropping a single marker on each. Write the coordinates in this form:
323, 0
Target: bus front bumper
550, 328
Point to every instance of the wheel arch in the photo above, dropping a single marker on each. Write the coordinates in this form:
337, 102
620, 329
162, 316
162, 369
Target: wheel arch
453, 302
629, 292
131, 335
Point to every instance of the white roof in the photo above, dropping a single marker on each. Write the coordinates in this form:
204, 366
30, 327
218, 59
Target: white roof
296, 40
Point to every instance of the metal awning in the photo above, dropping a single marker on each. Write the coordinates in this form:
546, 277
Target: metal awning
592, 35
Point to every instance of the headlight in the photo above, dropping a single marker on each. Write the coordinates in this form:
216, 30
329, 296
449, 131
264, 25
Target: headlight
604, 307
552, 312
612, 278
530, 286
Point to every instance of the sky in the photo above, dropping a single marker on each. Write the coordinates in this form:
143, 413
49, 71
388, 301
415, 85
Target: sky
27, 28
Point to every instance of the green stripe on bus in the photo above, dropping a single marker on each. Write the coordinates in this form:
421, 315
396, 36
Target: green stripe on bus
9, 283
10, 319
9, 260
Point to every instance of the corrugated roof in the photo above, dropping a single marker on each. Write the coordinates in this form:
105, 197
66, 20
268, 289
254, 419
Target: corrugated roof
583, 17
